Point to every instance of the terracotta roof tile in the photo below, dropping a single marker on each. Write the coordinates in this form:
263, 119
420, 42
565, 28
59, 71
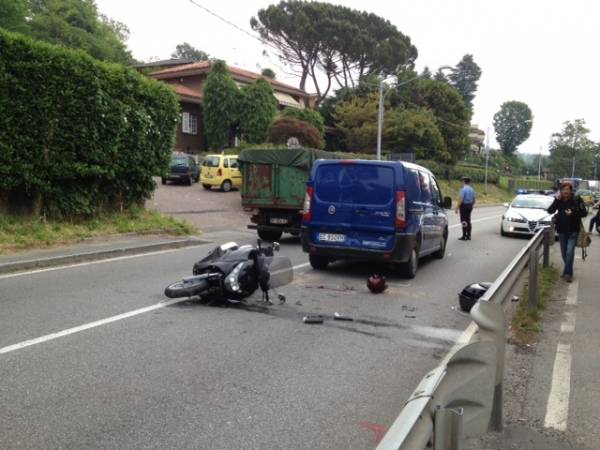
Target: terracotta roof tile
186, 91
205, 66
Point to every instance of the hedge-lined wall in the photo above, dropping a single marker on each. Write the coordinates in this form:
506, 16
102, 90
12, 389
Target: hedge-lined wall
447, 172
78, 136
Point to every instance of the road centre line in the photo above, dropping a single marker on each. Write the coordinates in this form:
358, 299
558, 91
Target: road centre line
98, 323
99, 261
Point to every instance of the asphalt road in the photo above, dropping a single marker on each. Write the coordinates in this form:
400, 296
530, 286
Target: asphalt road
193, 376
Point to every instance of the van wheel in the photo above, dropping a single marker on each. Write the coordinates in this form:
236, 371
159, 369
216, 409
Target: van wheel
318, 262
409, 268
442, 251
189, 181
226, 186
207, 186
269, 235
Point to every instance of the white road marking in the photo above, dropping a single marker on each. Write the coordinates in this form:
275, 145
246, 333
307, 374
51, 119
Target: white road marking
98, 323
99, 261
572, 292
568, 326
557, 411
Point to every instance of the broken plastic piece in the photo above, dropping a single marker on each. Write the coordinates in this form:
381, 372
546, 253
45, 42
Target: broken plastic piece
338, 316
312, 318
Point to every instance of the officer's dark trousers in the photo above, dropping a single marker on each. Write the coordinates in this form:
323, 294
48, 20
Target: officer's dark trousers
465, 218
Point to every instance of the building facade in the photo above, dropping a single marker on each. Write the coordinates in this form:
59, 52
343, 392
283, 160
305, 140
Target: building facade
188, 82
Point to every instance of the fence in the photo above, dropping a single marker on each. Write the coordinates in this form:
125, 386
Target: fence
512, 184
463, 396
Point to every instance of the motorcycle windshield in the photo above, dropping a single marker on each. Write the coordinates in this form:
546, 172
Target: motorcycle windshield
281, 270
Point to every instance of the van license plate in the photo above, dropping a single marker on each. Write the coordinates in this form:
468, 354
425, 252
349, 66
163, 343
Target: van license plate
331, 237
278, 221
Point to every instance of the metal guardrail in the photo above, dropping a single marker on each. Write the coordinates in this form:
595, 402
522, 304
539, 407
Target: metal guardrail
463, 397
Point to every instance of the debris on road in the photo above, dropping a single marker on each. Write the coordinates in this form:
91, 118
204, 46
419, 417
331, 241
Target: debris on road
338, 316
408, 308
313, 319
410, 317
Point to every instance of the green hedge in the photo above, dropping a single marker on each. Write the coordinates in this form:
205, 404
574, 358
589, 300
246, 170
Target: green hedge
524, 183
77, 135
448, 172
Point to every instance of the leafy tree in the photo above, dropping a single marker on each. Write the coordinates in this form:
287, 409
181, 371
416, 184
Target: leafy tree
464, 78
307, 115
426, 73
451, 115
77, 24
257, 109
13, 14
572, 152
187, 51
221, 105
414, 131
366, 86
512, 124
357, 120
343, 44
284, 128
268, 73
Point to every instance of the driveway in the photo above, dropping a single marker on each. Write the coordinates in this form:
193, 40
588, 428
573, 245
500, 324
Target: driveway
209, 210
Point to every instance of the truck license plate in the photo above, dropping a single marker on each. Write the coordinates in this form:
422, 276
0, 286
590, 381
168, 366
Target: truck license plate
331, 237
278, 221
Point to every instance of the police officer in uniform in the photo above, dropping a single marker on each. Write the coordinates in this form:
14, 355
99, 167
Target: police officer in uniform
466, 202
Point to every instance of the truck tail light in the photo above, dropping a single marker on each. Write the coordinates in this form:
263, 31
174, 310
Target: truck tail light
219, 173
306, 213
400, 210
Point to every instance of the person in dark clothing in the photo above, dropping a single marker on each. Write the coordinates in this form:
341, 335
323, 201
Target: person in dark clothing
595, 221
569, 211
466, 201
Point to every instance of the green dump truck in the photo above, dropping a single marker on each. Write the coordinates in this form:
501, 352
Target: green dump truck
274, 185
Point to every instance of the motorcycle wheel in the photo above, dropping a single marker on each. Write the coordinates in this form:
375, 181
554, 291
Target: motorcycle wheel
183, 289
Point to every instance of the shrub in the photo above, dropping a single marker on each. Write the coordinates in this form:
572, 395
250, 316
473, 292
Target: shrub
78, 135
221, 105
257, 109
455, 172
283, 128
306, 115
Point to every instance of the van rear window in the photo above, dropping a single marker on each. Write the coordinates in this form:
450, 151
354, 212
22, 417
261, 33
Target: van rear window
364, 184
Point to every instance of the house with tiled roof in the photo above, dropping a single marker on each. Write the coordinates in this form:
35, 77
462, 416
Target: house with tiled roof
188, 82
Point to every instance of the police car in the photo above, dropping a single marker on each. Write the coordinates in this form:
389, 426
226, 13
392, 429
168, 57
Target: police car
526, 214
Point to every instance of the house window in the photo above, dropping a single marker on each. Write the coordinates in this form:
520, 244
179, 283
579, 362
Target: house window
189, 123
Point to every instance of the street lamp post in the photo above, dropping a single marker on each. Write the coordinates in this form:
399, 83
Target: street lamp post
487, 156
381, 107
540, 164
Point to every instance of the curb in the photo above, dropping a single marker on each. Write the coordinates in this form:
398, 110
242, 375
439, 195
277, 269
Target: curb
53, 261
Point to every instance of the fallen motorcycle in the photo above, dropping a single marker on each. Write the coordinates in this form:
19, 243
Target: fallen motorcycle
233, 273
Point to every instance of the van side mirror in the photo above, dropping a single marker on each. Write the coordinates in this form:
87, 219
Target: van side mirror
447, 203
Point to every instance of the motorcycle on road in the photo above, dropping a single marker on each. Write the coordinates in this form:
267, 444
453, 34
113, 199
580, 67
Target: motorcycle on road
232, 273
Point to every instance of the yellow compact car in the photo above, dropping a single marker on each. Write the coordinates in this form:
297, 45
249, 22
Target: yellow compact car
222, 171
586, 196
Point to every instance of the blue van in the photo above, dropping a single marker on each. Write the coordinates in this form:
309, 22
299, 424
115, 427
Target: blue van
388, 211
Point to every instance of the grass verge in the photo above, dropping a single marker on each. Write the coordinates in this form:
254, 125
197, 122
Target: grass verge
20, 233
494, 193
526, 322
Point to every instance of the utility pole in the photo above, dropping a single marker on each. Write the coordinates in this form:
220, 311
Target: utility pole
540, 165
380, 120
487, 157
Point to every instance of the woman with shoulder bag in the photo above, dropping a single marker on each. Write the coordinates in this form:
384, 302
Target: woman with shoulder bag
569, 211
